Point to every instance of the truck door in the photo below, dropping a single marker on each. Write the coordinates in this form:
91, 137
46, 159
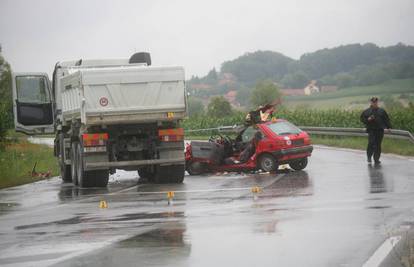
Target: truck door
32, 103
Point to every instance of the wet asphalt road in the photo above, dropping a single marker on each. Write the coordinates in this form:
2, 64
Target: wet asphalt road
338, 212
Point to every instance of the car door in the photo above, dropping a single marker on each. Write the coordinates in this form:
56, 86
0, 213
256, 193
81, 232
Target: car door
32, 103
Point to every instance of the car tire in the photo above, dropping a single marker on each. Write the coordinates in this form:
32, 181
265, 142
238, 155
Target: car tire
172, 174
194, 168
300, 164
95, 178
267, 163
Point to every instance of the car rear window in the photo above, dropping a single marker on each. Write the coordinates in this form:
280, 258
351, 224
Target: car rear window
284, 128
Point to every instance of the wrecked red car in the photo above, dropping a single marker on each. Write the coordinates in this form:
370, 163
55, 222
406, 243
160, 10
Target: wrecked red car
263, 146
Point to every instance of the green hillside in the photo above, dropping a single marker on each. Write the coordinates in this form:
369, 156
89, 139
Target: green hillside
391, 92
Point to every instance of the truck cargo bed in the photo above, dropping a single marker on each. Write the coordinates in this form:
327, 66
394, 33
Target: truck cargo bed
130, 94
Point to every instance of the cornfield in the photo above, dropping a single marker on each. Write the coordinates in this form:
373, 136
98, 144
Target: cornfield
402, 118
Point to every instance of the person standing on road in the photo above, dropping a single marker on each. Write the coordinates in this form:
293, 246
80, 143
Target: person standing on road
376, 120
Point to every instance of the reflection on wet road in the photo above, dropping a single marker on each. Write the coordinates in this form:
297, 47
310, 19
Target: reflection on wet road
337, 212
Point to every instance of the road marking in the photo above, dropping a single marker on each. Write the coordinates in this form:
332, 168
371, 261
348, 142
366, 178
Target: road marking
382, 252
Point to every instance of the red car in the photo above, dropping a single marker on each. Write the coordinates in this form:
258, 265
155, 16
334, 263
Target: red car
262, 146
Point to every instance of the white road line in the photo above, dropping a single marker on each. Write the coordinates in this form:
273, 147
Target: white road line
382, 252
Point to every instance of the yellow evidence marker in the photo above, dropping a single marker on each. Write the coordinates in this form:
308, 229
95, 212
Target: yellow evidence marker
103, 204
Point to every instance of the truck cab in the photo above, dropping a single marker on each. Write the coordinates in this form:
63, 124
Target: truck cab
33, 103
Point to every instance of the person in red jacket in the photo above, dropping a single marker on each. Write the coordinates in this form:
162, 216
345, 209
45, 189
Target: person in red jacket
375, 120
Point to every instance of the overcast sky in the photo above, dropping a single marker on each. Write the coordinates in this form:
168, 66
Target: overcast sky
199, 35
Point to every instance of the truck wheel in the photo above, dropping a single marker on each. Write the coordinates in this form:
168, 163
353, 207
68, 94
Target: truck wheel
74, 165
172, 174
194, 168
267, 163
65, 170
97, 178
300, 164
146, 173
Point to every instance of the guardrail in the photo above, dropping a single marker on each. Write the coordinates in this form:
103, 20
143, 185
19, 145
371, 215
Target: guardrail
335, 131
340, 131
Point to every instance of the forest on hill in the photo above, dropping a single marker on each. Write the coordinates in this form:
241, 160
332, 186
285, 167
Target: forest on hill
342, 66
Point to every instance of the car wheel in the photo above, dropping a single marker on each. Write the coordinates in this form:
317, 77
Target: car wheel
267, 163
194, 168
300, 164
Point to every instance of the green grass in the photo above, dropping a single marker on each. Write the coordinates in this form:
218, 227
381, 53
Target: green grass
387, 88
357, 97
394, 146
17, 161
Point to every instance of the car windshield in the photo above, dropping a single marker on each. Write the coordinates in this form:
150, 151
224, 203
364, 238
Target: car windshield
284, 128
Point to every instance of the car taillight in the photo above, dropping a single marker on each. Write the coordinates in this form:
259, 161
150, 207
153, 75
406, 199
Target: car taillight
171, 135
95, 139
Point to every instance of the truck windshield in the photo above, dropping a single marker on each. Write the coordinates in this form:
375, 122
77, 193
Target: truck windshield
284, 128
32, 89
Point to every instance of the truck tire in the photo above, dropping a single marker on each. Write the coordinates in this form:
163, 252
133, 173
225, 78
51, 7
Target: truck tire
300, 164
96, 178
146, 173
74, 162
65, 172
267, 163
172, 174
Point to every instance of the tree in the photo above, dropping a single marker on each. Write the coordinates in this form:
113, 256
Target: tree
6, 104
343, 79
297, 79
195, 107
252, 67
243, 96
219, 107
264, 92
212, 76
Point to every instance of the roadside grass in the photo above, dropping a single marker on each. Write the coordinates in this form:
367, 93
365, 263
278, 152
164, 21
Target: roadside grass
389, 145
394, 146
18, 158
356, 97
347, 102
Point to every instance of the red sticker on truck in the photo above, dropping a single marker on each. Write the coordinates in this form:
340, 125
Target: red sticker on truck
103, 101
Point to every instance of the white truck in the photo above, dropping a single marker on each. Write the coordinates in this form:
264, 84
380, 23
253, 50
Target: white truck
107, 115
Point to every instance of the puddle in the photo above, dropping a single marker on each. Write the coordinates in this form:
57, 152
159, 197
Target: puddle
378, 207
8, 206
74, 220
143, 216
163, 237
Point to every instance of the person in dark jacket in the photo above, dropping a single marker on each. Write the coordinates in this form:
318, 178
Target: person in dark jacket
376, 120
